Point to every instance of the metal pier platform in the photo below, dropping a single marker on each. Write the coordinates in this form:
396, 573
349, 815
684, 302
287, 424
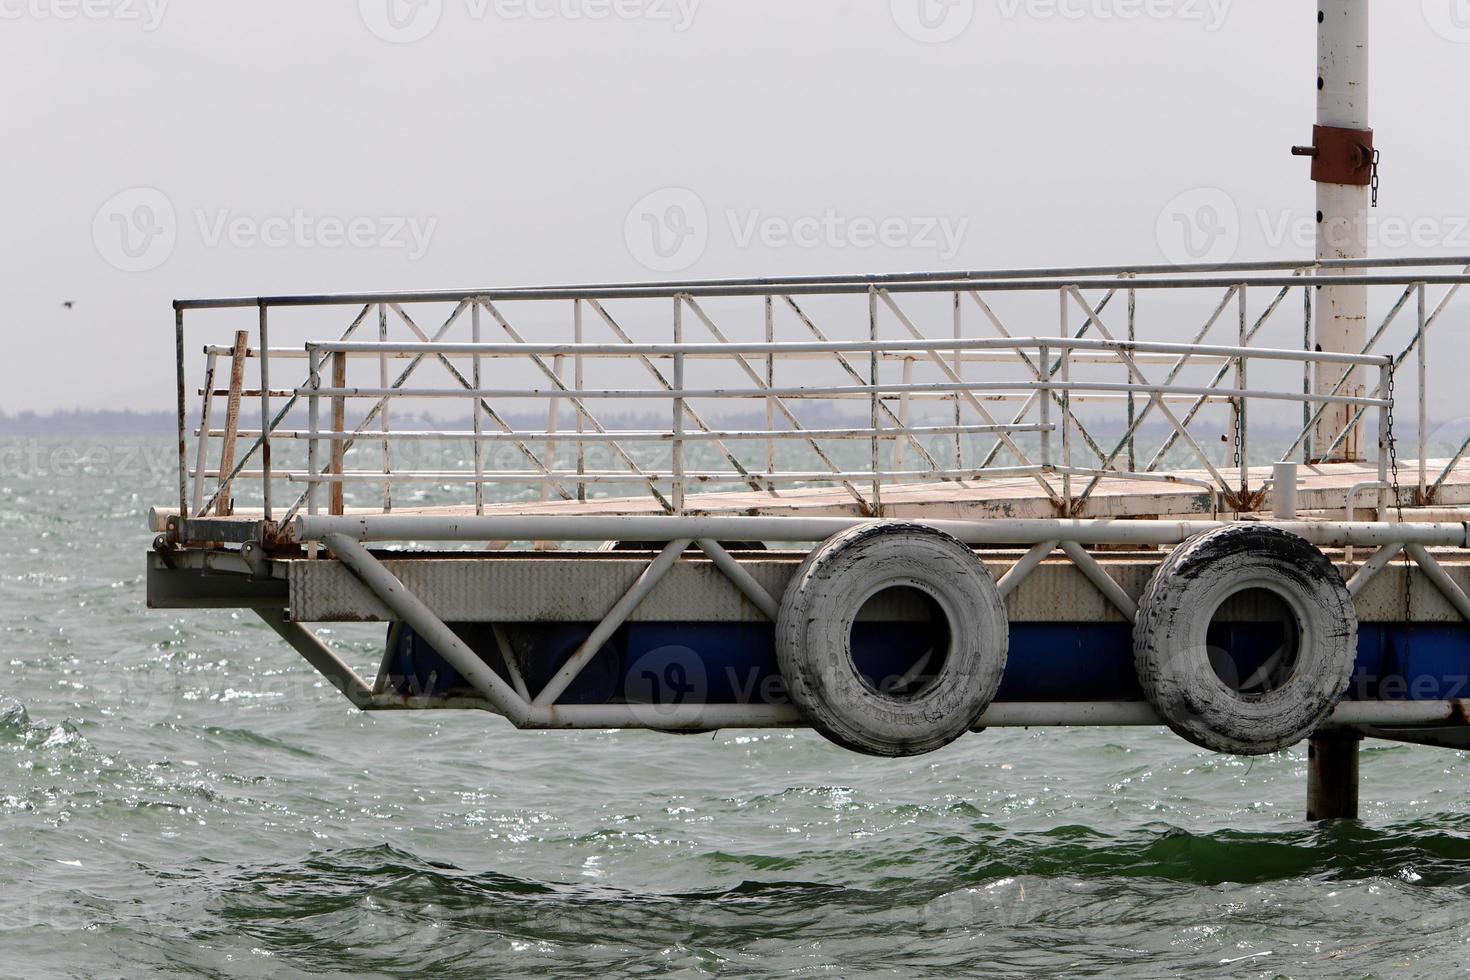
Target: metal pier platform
613, 506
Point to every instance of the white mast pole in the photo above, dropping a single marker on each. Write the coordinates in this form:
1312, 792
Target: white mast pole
1341, 167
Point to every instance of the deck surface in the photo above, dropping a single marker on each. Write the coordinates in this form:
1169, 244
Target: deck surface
1323, 487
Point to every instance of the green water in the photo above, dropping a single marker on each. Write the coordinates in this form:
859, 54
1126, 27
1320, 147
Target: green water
179, 795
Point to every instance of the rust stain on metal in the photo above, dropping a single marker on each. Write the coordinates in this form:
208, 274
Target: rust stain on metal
1342, 156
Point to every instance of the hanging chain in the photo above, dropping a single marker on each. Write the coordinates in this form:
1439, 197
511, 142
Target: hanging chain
1398, 498
1239, 420
1239, 430
1392, 445
1373, 179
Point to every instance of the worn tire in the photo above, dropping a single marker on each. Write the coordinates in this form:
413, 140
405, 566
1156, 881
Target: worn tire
1173, 658
813, 638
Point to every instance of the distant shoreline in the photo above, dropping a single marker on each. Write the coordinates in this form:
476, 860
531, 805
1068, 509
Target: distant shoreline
81, 423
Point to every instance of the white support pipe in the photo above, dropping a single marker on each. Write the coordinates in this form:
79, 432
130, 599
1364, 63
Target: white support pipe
319, 655
668, 717
741, 577
615, 617
1391, 713
1017, 573
1104, 583
1377, 563
1342, 226
412, 610
1004, 714
999, 531
1441, 579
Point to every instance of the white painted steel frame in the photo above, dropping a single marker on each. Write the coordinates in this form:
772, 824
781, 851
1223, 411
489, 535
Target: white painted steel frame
540, 710
889, 425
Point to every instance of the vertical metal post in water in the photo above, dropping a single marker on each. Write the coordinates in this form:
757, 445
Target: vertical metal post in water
1332, 776
1342, 164
1341, 167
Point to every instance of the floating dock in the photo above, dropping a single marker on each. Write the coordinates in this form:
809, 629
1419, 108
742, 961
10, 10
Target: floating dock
812, 511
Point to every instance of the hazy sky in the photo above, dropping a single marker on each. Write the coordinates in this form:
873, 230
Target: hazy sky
175, 148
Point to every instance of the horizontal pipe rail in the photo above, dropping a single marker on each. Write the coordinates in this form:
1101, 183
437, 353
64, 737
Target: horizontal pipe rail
725, 350
812, 391
991, 531
1000, 714
973, 276
655, 291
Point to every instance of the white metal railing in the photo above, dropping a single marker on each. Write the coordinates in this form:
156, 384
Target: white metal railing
807, 403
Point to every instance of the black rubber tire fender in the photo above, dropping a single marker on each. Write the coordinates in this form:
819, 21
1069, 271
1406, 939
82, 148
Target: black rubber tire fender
813, 638
1172, 656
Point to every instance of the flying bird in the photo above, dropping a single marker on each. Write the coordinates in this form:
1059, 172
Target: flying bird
68, 303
